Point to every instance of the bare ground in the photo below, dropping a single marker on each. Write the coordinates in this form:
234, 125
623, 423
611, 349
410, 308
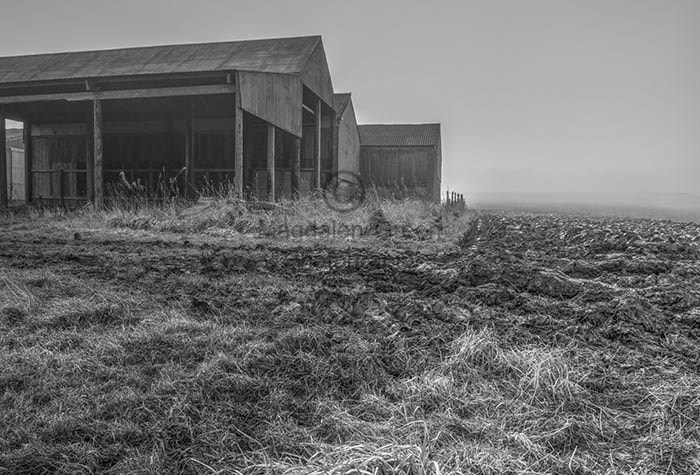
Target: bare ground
532, 343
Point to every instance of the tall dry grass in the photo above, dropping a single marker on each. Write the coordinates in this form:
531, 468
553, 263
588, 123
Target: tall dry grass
218, 212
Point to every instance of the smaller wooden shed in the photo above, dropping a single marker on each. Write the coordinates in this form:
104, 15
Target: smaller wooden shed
402, 158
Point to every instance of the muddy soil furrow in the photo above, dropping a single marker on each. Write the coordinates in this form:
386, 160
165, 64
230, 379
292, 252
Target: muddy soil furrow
606, 282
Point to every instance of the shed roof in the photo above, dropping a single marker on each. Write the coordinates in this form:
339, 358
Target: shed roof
399, 135
340, 102
277, 55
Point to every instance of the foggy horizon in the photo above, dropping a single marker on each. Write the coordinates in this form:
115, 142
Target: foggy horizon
533, 97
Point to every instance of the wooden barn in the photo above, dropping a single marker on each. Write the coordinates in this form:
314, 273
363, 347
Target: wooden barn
348, 137
401, 159
259, 115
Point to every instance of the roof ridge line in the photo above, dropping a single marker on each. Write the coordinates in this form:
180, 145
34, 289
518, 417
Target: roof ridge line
165, 45
401, 123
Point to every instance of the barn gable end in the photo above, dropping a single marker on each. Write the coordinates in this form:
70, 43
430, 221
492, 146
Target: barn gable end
316, 76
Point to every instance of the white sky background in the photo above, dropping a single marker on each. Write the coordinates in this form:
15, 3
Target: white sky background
533, 95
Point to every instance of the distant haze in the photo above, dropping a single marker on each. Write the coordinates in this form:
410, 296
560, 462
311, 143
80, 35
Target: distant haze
538, 95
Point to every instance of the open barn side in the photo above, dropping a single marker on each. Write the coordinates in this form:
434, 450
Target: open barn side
253, 117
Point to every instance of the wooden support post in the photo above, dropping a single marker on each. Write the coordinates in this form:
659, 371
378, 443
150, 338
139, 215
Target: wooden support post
271, 162
3, 162
172, 141
296, 166
189, 155
61, 197
97, 154
28, 158
89, 160
317, 145
238, 146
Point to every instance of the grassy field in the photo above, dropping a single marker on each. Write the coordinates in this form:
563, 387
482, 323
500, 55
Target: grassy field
218, 339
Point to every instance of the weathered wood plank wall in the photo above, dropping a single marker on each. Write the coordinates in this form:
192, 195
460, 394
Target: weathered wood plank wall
411, 168
348, 142
274, 98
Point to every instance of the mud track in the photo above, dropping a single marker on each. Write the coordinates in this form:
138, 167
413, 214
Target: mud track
632, 285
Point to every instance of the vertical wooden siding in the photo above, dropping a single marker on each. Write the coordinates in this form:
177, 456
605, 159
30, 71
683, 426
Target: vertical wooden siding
348, 142
394, 167
275, 98
56, 153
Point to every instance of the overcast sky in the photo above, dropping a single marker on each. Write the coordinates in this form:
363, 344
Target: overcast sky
533, 95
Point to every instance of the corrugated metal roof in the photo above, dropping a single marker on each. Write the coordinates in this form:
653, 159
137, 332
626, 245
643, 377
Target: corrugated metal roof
340, 102
399, 135
278, 55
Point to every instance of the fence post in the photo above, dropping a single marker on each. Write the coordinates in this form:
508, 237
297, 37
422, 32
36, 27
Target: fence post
61, 201
3, 163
